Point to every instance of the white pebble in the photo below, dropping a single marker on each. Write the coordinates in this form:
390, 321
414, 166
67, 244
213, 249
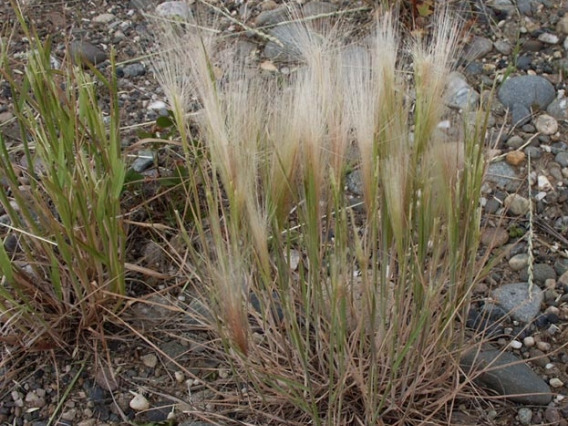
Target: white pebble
529, 341
556, 382
180, 377
549, 38
157, 106
139, 403
515, 344
543, 183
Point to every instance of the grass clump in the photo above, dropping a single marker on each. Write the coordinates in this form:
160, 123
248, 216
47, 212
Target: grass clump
62, 261
369, 326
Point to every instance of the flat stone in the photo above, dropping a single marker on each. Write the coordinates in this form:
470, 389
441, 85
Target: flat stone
549, 38
134, 70
459, 93
142, 4
504, 47
290, 36
272, 17
84, 52
503, 175
508, 376
144, 159
503, 6
515, 142
315, 8
104, 18
515, 300
517, 204
478, 48
174, 10
525, 7
494, 237
541, 273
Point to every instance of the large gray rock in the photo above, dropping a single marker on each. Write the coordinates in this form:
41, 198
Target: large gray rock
515, 300
507, 375
290, 37
522, 93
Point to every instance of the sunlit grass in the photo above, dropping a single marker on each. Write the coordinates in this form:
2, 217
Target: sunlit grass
64, 206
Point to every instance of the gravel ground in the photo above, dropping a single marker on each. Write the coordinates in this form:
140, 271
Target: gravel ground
525, 40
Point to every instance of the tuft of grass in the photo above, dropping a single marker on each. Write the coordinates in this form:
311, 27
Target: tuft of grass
60, 194
369, 328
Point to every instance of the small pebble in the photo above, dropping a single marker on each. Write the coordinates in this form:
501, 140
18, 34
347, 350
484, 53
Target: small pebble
529, 341
139, 403
555, 382
519, 261
549, 38
553, 329
157, 106
552, 415
546, 124
69, 414
149, 360
494, 237
517, 204
543, 346
180, 377
515, 142
543, 183
515, 344
515, 158
525, 416
104, 18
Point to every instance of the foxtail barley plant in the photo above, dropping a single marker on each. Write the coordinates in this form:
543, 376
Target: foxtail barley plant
368, 327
